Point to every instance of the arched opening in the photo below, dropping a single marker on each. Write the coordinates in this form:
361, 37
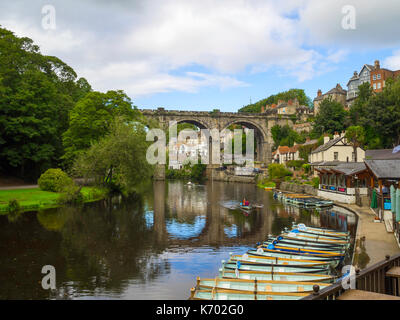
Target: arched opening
260, 144
187, 142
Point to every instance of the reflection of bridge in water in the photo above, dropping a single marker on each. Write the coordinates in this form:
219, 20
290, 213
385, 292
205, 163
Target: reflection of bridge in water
217, 218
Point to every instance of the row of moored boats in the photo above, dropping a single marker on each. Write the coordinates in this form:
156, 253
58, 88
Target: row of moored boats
280, 268
302, 200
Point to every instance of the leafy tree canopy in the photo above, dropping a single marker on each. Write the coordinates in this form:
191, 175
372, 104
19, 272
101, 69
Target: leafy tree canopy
285, 96
36, 94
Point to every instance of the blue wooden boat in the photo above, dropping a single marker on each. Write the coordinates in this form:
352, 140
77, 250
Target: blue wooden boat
278, 276
221, 294
250, 285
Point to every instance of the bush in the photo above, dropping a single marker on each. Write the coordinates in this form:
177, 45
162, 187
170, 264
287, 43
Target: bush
54, 180
14, 206
295, 164
71, 195
278, 171
315, 182
306, 167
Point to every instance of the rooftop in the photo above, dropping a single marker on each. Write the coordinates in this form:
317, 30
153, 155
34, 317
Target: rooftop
381, 154
327, 145
384, 169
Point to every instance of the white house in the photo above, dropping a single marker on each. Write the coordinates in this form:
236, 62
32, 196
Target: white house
335, 151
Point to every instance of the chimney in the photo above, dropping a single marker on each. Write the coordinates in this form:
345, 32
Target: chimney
273, 106
336, 135
262, 109
326, 138
377, 65
355, 73
338, 86
319, 93
290, 102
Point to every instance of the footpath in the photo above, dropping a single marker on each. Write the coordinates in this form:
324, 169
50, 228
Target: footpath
373, 242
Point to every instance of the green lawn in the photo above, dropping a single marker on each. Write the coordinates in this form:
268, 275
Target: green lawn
34, 198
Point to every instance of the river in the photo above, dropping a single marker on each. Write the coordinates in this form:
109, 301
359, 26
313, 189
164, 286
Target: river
149, 246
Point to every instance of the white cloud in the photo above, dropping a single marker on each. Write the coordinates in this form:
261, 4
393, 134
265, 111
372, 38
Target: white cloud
151, 46
392, 62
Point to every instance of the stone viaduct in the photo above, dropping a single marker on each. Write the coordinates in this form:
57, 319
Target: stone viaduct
261, 123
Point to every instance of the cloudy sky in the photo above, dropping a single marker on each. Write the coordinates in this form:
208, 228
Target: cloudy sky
202, 55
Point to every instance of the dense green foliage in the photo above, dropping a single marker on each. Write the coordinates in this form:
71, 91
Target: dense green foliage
54, 180
284, 96
278, 171
285, 136
36, 94
332, 117
91, 118
297, 164
118, 160
379, 115
189, 171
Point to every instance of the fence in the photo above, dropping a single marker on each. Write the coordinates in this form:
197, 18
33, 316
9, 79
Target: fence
373, 279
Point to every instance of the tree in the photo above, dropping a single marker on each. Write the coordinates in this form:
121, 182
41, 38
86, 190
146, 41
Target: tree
36, 94
91, 117
356, 136
331, 117
117, 160
285, 136
381, 116
298, 94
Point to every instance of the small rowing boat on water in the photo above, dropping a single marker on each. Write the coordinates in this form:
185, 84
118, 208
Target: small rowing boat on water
221, 294
305, 245
295, 234
233, 265
278, 276
334, 261
323, 231
309, 241
257, 285
278, 248
257, 260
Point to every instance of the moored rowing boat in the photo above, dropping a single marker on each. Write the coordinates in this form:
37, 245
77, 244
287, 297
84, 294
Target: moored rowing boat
257, 285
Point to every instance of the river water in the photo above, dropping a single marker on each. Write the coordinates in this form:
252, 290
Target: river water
150, 246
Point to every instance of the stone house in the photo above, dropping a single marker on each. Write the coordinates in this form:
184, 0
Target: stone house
336, 94
335, 151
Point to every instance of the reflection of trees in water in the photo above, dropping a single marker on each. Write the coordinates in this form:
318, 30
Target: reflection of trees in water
25, 247
106, 243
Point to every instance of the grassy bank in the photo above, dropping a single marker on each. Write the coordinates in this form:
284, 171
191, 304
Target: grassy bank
35, 199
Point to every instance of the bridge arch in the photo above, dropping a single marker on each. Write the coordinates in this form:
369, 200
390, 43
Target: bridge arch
262, 145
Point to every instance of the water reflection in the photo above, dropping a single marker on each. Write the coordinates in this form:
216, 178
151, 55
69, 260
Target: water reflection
150, 246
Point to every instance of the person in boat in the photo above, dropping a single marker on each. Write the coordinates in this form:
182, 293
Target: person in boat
245, 202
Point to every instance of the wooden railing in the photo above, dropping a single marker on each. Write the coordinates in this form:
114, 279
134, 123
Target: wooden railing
371, 279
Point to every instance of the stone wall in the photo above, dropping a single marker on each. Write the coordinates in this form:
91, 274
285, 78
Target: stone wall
223, 176
298, 188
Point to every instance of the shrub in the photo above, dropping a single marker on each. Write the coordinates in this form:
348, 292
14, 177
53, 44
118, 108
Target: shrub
54, 180
306, 167
71, 194
14, 206
315, 182
278, 171
295, 164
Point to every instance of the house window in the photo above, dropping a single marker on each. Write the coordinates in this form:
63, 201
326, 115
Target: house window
374, 86
378, 77
379, 85
335, 156
374, 77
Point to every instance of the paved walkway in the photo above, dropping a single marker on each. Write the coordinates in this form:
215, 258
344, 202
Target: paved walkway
20, 187
377, 242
